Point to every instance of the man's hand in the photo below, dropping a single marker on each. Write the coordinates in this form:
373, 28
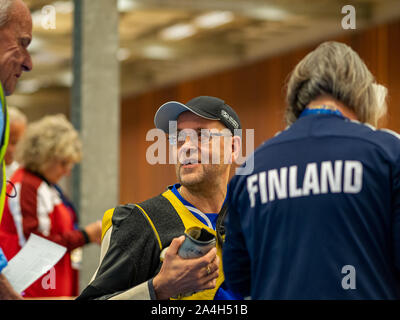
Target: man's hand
179, 276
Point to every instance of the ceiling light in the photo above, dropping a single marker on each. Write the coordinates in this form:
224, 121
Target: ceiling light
123, 54
126, 5
65, 78
267, 13
178, 31
157, 52
214, 19
64, 7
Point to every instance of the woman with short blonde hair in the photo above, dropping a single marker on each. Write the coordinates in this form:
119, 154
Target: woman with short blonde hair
51, 139
47, 152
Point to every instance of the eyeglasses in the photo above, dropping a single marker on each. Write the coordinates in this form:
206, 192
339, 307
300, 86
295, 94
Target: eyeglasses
202, 136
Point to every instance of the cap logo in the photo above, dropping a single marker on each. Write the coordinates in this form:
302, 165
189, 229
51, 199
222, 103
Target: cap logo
229, 119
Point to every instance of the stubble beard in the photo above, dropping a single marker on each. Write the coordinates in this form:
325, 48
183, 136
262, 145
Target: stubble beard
191, 178
202, 179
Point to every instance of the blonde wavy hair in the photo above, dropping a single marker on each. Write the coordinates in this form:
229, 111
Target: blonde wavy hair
53, 138
334, 69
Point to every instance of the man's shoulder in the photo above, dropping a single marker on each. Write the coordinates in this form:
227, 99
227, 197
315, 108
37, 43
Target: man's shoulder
155, 215
157, 207
122, 211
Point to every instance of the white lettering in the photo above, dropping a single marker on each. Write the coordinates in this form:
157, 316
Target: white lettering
49, 280
334, 177
262, 177
352, 176
49, 14
331, 177
248, 158
349, 20
310, 182
349, 280
277, 183
179, 311
294, 191
156, 152
252, 189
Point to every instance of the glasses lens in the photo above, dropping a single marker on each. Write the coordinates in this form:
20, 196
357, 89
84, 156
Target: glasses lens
172, 138
202, 136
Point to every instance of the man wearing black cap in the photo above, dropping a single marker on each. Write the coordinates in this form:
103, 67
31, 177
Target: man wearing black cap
205, 137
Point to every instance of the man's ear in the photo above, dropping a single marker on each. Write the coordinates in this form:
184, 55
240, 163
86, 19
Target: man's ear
236, 147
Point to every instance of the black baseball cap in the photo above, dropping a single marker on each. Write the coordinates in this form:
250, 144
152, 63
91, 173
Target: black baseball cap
204, 106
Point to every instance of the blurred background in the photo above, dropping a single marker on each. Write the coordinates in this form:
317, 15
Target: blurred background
239, 50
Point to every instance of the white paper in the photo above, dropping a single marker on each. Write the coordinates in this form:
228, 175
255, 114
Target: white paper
36, 257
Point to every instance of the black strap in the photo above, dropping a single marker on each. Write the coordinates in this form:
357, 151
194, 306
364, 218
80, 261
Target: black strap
14, 189
220, 225
164, 218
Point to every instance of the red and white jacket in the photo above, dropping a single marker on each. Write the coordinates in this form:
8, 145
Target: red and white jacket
38, 208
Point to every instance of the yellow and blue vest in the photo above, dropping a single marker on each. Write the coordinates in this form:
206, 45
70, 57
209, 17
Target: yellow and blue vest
139, 233
4, 142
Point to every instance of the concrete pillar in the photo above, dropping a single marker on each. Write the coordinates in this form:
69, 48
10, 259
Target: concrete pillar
95, 112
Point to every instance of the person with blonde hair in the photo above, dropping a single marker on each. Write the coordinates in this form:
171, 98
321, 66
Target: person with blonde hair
46, 153
319, 217
18, 123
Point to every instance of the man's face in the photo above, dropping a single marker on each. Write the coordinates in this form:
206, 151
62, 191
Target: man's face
15, 37
201, 162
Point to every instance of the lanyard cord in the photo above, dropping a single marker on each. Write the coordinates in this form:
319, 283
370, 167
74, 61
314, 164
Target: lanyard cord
320, 109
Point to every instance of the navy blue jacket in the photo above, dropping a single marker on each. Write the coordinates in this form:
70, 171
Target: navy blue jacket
319, 217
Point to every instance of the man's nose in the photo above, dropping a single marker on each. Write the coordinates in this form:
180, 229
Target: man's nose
187, 139
190, 142
188, 146
27, 65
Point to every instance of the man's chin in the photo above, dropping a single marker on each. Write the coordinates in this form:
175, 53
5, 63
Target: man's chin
190, 178
8, 89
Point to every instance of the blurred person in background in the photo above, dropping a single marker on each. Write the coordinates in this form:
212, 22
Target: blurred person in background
18, 122
46, 153
319, 217
15, 35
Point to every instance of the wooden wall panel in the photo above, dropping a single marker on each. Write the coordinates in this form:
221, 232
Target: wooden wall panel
256, 91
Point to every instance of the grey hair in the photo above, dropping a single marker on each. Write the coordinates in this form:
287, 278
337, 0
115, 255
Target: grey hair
334, 69
4, 10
